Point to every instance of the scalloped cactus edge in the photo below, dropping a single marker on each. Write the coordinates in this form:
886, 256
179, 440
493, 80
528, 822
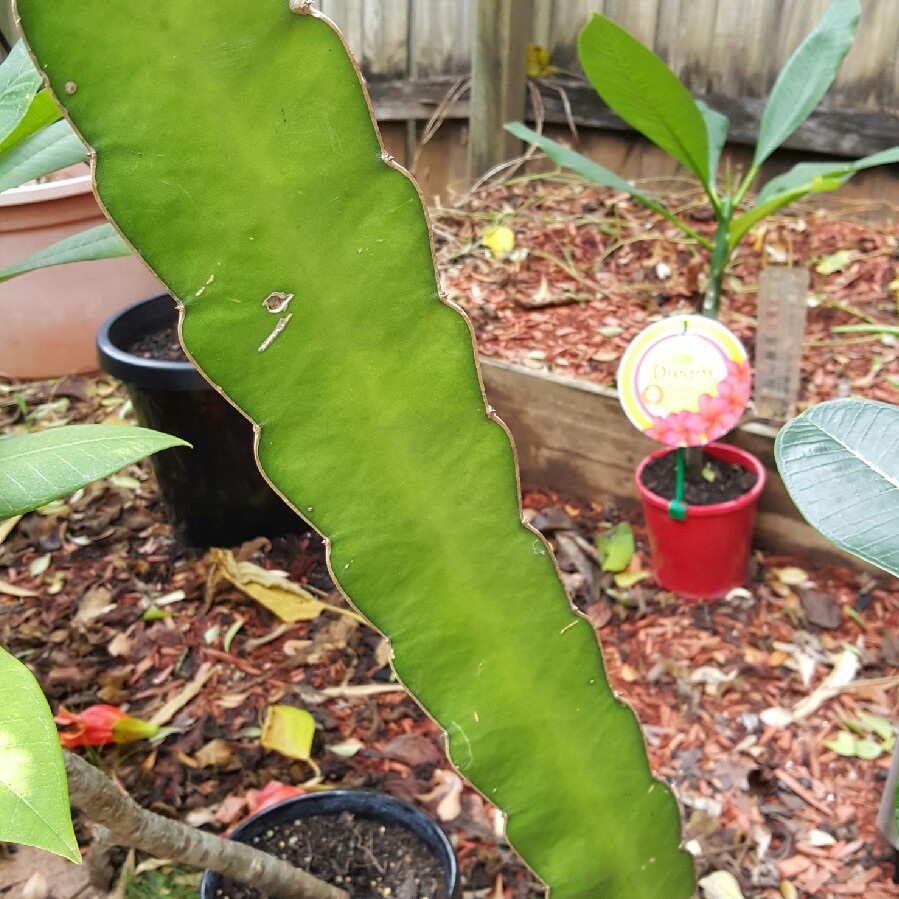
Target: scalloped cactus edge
244, 166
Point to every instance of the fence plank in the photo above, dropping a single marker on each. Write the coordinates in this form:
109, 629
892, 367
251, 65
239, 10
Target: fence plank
443, 37
497, 80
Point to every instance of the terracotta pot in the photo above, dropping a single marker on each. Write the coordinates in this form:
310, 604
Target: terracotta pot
706, 555
361, 803
51, 316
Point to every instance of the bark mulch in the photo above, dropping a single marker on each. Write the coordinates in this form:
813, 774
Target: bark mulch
99, 602
591, 268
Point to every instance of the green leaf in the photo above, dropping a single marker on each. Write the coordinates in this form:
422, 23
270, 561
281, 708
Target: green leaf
42, 112
34, 797
366, 393
101, 242
839, 464
19, 84
716, 124
637, 85
40, 467
808, 74
868, 750
578, 163
879, 726
593, 171
834, 262
49, 150
843, 744
626, 579
616, 547
803, 179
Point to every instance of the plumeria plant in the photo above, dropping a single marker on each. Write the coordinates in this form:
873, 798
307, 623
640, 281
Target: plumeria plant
35, 141
302, 259
643, 91
838, 461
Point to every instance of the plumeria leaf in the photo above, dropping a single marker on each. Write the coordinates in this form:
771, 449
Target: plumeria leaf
47, 465
101, 242
34, 800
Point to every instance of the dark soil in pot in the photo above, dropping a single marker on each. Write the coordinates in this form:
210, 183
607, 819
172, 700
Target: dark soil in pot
367, 858
213, 493
162, 345
721, 481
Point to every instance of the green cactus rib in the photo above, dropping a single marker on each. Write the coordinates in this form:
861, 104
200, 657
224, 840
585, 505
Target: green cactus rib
235, 150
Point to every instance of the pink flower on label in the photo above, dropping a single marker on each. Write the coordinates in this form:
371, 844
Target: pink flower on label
678, 429
658, 429
717, 414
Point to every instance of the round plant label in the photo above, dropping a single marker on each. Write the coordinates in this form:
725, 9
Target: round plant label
684, 381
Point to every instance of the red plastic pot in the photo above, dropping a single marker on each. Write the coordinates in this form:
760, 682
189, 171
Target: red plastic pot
706, 555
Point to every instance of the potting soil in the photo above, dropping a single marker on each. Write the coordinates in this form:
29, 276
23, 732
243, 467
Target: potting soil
368, 859
720, 481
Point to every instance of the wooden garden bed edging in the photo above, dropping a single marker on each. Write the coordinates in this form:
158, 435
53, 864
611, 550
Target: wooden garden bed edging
572, 436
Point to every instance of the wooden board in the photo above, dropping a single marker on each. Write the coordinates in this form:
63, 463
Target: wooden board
573, 437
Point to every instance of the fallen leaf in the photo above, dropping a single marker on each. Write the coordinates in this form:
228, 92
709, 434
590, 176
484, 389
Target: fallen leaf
215, 754
721, 885
500, 240
93, 604
39, 565
447, 794
792, 577
36, 887
290, 731
13, 590
821, 609
7, 526
347, 749
174, 705
413, 750
616, 547
272, 589
119, 645
833, 262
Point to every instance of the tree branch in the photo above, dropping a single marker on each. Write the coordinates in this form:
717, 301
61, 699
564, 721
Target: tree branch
130, 825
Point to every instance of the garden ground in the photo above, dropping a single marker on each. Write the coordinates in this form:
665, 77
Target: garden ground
756, 708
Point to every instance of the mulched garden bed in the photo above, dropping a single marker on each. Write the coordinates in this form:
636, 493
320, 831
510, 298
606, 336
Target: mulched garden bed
591, 268
99, 602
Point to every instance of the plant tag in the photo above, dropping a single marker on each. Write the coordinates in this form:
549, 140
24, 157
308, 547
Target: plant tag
684, 381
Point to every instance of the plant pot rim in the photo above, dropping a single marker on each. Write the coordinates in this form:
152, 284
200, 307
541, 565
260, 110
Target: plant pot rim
48, 190
121, 328
359, 801
724, 451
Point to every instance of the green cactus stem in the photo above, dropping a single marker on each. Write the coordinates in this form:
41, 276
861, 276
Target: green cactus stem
235, 150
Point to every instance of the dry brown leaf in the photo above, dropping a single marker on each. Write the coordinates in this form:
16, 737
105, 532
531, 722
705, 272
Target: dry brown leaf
13, 590
174, 705
93, 604
215, 754
272, 589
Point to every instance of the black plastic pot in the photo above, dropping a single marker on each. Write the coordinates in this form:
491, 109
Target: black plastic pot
361, 803
214, 495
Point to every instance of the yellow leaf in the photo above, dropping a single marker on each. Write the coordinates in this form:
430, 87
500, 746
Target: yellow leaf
540, 62
289, 601
289, 731
500, 240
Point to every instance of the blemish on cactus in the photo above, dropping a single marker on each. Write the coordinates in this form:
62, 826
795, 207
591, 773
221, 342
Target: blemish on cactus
277, 302
282, 324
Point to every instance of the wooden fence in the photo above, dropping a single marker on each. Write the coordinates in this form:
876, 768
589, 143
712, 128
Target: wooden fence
727, 51
729, 47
